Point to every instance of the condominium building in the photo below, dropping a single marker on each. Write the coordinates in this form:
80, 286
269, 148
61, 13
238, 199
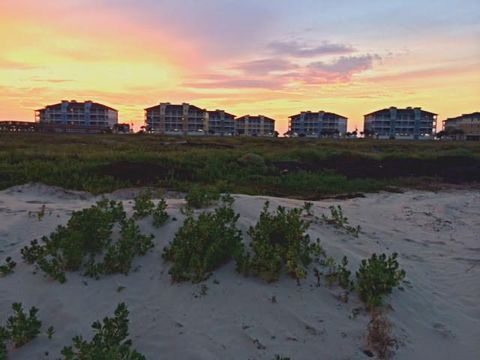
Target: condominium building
221, 123
392, 123
317, 124
184, 119
255, 126
77, 115
467, 126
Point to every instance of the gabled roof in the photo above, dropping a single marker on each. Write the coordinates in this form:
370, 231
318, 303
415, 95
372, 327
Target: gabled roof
180, 106
318, 112
477, 113
77, 104
160, 104
217, 111
398, 109
255, 117
108, 107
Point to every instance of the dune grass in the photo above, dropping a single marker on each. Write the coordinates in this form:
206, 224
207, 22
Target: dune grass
284, 167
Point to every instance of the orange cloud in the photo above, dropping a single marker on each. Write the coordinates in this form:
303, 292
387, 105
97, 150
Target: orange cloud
220, 54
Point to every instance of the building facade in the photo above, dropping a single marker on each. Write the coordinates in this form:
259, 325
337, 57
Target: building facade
221, 123
317, 124
467, 126
184, 119
77, 115
392, 123
255, 126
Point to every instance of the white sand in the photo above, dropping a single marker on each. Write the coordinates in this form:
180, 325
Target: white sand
437, 316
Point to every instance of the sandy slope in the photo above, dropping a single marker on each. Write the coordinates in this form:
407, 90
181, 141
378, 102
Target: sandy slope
437, 316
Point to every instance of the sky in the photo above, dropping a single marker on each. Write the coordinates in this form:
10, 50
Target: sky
269, 57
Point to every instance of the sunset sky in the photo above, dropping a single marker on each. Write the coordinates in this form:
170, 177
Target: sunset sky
271, 57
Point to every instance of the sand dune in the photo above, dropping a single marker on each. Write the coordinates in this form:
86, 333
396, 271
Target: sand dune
435, 316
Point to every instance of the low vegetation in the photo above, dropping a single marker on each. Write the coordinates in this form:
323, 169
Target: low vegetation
377, 277
336, 273
204, 243
279, 240
280, 167
340, 221
308, 207
86, 238
7, 268
201, 197
379, 337
19, 329
159, 214
143, 205
109, 342
120, 255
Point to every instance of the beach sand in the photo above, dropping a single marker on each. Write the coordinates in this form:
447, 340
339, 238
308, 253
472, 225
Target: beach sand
435, 315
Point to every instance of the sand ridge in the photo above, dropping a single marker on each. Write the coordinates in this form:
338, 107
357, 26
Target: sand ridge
436, 315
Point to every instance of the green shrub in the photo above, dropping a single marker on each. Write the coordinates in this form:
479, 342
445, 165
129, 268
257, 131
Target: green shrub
88, 235
32, 253
279, 240
279, 357
20, 328
203, 244
160, 215
119, 256
3, 343
50, 332
377, 277
331, 270
8, 267
308, 207
109, 342
143, 205
253, 160
338, 220
338, 273
318, 184
201, 197
344, 275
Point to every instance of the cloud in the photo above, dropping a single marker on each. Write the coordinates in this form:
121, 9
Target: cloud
229, 82
296, 49
15, 65
265, 66
340, 70
52, 81
216, 29
278, 74
428, 73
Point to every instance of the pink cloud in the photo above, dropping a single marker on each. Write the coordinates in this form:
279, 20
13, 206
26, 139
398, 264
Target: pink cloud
296, 49
340, 70
265, 66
